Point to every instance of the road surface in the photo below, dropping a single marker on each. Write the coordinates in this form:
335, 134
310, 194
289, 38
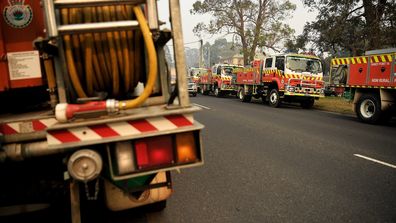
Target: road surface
285, 165
282, 165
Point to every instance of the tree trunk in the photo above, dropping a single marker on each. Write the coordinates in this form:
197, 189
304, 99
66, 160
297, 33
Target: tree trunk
244, 50
373, 15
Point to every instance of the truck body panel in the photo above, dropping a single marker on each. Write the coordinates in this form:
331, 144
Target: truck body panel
92, 107
220, 80
294, 77
371, 81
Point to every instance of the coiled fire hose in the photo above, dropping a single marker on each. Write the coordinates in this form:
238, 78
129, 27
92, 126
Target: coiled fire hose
107, 58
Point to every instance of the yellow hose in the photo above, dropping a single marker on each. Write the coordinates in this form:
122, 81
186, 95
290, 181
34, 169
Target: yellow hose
101, 61
152, 61
70, 62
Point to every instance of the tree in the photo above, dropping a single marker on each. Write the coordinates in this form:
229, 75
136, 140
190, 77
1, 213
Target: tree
220, 49
192, 57
254, 23
350, 27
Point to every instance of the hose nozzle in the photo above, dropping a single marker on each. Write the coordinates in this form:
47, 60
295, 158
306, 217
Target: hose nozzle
65, 112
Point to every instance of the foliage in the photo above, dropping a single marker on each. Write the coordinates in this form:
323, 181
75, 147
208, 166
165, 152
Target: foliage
219, 50
253, 23
349, 27
192, 57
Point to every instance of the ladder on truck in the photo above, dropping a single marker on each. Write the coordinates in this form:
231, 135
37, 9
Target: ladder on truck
55, 31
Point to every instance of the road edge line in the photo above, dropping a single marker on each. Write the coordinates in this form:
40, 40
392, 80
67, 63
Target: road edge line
201, 106
376, 161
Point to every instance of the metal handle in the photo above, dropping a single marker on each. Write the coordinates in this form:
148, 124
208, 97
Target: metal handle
97, 27
85, 3
49, 11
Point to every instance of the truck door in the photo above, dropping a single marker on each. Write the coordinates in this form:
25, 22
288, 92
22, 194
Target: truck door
267, 67
280, 64
380, 70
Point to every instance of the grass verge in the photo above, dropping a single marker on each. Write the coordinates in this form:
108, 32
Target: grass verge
334, 104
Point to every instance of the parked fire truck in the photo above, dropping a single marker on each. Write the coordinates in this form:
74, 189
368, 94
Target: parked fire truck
371, 81
220, 80
196, 72
283, 77
73, 122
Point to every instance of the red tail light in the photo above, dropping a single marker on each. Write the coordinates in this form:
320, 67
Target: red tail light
153, 152
149, 154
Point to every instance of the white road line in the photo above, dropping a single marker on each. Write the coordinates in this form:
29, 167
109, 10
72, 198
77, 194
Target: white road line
204, 107
376, 161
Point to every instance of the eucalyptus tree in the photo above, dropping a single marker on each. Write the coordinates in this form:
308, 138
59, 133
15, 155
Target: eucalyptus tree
253, 23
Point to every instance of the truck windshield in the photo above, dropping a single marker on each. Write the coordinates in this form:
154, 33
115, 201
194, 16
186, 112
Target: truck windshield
302, 64
227, 71
230, 71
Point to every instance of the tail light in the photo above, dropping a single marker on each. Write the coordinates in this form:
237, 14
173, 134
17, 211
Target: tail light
186, 148
154, 153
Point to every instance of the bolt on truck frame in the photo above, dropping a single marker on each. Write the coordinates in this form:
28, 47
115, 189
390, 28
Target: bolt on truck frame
80, 124
284, 77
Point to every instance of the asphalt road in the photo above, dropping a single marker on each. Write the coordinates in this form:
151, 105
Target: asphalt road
282, 165
285, 165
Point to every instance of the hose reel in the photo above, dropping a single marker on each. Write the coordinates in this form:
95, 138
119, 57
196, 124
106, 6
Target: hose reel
111, 62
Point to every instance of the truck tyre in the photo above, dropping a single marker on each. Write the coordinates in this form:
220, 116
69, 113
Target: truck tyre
307, 104
217, 92
368, 109
203, 90
243, 97
274, 99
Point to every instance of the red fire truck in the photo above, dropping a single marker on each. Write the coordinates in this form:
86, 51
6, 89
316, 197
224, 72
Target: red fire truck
72, 118
220, 80
284, 77
196, 72
371, 81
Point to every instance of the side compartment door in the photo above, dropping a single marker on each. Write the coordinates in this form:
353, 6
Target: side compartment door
358, 70
380, 70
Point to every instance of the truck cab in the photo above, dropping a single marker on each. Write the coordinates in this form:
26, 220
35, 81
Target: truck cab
283, 77
223, 78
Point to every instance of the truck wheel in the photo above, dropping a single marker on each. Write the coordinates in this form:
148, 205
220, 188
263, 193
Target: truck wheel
203, 91
217, 92
274, 99
307, 104
194, 95
243, 97
368, 109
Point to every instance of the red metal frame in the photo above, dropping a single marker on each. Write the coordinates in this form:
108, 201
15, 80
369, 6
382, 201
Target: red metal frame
17, 40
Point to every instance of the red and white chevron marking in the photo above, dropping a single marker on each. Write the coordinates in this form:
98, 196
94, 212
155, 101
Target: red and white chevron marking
127, 128
26, 126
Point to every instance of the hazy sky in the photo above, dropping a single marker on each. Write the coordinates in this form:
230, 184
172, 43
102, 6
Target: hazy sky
300, 17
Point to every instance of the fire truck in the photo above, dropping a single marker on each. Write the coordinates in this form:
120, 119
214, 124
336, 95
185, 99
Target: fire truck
219, 81
371, 82
88, 114
196, 72
282, 78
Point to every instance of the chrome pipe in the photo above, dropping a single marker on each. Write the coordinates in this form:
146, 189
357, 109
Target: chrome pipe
19, 151
50, 19
23, 137
85, 3
97, 27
